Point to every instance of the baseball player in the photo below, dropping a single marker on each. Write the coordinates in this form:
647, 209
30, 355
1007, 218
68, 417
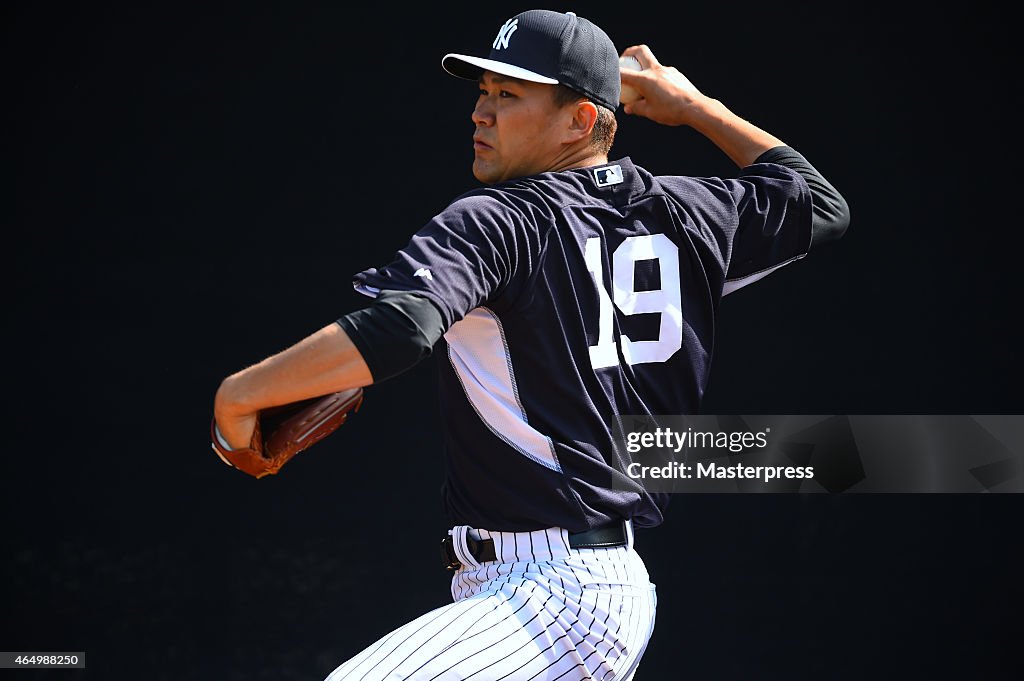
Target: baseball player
568, 289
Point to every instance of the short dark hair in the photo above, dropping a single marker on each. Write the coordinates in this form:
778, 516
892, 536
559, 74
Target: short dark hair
603, 135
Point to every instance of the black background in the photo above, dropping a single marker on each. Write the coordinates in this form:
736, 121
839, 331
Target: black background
190, 189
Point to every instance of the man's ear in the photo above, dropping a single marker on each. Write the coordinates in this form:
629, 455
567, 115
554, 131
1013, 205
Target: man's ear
583, 119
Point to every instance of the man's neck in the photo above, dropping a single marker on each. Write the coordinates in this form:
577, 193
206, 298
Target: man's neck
580, 160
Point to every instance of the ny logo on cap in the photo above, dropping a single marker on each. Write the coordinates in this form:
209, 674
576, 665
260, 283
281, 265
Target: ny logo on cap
505, 33
608, 175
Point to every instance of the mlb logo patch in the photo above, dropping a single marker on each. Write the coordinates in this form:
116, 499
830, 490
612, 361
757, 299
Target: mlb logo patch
608, 175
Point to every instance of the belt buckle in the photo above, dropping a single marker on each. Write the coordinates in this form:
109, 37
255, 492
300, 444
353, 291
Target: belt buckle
449, 559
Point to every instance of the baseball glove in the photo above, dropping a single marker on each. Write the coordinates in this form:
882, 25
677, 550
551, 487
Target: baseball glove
282, 432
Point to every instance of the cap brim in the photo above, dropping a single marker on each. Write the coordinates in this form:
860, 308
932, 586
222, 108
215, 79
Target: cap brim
470, 68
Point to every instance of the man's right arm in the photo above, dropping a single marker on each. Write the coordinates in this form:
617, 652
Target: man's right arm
669, 98
830, 214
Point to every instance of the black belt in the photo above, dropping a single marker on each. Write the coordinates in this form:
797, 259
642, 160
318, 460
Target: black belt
483, 549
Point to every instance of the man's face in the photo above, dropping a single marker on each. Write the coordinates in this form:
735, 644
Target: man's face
519, 129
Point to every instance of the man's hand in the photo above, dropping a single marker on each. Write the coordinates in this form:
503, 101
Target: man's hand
319, 375
236, 429
668, 97
277, 434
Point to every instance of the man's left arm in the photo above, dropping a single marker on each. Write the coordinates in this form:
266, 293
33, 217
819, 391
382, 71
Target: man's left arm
324, 362
363, 347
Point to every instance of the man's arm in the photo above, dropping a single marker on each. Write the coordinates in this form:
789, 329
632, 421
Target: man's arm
669, 98
830, 213
361, 348
325, 362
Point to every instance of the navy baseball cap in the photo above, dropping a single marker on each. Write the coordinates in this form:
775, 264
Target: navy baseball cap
549, 47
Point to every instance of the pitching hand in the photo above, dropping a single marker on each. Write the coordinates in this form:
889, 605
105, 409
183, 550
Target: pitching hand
667, 96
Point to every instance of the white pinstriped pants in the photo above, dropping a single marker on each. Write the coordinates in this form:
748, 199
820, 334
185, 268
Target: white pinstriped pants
540, 612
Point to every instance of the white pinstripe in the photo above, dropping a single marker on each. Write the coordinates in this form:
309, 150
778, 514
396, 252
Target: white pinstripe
541, 612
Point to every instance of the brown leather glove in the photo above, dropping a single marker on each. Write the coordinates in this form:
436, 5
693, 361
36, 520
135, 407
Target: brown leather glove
282, 432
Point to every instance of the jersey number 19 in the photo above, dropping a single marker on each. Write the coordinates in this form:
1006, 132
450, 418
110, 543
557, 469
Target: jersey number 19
666, 300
